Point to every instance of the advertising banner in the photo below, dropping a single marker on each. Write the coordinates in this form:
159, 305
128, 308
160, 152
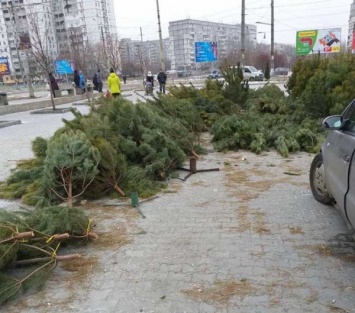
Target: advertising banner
318, 41
64, 67
206, 51
4, 66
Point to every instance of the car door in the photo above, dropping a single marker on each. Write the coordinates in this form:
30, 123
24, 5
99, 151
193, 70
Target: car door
350, 194
338, 150
247, 73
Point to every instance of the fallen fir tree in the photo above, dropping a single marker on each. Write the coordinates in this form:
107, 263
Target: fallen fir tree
32, 240
117, 147
268, 120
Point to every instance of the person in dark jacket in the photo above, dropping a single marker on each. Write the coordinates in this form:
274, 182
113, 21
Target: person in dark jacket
97, 81
53, 83
162, 80
76, 79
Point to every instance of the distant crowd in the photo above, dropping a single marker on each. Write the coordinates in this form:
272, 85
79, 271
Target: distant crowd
113, 82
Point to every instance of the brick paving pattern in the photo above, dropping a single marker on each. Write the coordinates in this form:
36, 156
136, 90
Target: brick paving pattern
248, 238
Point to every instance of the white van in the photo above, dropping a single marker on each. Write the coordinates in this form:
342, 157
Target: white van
252, 73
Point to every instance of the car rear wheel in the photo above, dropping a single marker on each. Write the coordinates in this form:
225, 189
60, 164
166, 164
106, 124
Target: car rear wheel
317, 180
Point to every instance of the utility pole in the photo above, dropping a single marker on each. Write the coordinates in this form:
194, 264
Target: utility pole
141, 54
242, 49
162, 64
272, 38
272, 53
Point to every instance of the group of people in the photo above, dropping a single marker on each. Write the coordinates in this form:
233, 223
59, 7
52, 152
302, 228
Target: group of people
113, 82
149, 81
80, 80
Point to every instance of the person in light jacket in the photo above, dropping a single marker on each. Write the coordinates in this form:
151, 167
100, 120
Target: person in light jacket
82, 83
114, 83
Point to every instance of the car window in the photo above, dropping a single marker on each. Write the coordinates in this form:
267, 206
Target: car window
350, 123
246, 70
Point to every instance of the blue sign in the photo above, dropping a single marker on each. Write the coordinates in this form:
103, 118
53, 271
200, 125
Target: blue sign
206, 51
64, 67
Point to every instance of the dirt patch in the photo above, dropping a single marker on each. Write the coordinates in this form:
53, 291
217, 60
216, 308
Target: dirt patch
250, 219
221, 292
243, 220
257, 222
295, 230
80, 269
285, 286
115, 238
313, 297
202, 183
241, 186
173, 187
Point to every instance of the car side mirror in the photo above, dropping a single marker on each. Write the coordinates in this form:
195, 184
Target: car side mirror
334, 122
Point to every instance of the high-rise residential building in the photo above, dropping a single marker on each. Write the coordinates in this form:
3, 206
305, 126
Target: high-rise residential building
144, 54
63, 24
183, 35
79, 22
21, 20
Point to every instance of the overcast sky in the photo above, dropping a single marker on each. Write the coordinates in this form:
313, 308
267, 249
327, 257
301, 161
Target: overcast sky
290, 16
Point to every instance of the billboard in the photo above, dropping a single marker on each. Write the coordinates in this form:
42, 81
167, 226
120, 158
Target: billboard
206, 51
318, 41
4, 66
64, 67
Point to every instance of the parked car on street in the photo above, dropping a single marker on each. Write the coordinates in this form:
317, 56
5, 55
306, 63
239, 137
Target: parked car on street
281, 71
252, 73
332, 172
215, 74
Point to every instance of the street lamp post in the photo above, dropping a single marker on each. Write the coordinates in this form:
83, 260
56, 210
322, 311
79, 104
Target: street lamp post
272, 65
242, 37
162, 64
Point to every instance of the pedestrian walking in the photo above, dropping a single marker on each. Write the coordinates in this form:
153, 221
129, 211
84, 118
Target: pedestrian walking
76, 79
162, 80
149, 84
82, 83
97, 81
53, 83
114, 83
124, 77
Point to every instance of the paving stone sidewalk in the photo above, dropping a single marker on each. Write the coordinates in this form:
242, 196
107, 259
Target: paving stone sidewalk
248, 238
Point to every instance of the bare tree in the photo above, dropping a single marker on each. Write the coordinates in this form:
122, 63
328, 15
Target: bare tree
18, 26
41, 41
112, 51
77, 47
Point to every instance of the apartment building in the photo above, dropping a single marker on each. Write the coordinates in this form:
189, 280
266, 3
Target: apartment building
62, 24
184, 33
148, 52
21, 20
79, 22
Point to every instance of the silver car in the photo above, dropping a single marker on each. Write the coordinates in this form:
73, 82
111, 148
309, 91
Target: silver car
332, 173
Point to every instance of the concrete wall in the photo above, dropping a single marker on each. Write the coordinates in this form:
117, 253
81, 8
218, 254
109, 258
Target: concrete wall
9, 109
